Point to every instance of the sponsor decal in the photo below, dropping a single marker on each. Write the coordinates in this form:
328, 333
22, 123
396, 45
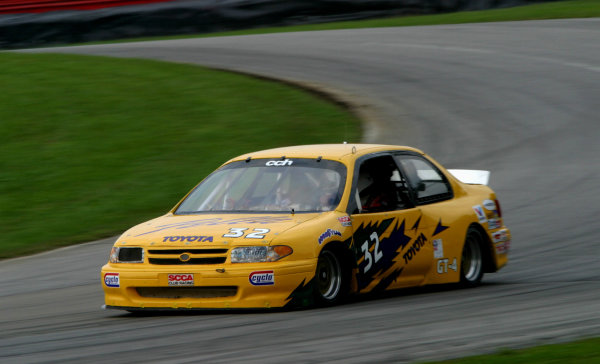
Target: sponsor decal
489, 205
328, 234
500, 236
198, 238
480, 214
262, 220
345, 220
181, 279
494, 224
112, 280
502, 247
501, 241
282, 163
415, 248
262, 278
438, 249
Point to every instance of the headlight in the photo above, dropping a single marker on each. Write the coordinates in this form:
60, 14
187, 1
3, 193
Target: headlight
255, 254
126, 255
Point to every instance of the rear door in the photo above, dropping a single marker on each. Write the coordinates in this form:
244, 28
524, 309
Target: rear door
433, 196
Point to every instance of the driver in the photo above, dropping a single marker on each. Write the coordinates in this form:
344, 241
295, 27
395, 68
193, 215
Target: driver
380, 195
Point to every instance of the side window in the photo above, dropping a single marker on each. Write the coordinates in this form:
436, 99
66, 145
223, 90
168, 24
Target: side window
426, 181
380, 186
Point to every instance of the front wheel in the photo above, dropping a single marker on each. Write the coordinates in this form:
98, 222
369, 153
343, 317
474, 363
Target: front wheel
330, 279
471, 270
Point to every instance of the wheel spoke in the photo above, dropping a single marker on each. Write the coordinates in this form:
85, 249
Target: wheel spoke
472, 259
329, 276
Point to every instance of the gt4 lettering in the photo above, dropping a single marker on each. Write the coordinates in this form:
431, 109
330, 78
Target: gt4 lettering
442, 266
198, 238
262, 278
112, 280
368, 257
239, 232
181, 279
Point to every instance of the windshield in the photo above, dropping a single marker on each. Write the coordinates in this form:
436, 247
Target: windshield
267, 185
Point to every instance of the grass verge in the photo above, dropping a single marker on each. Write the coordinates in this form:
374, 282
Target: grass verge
583, 351
90, 146
549, 10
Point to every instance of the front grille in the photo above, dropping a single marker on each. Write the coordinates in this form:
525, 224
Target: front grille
189, 251
192, 256
177, 261
187, 292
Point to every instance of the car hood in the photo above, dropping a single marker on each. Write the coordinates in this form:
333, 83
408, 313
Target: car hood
209, 229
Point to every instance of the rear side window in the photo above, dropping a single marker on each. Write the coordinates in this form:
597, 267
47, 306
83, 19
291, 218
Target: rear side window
426, 181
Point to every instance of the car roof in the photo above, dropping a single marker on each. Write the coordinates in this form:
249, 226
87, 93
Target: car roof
326, 151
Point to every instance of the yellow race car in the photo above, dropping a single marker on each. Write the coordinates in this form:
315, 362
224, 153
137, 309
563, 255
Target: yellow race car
307, 225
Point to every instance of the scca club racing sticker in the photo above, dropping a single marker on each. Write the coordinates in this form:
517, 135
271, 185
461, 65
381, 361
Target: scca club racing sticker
111, 280
262, 278
181, 279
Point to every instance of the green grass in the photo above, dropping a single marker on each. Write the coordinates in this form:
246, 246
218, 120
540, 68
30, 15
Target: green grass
550, 10
578, 352
90, 146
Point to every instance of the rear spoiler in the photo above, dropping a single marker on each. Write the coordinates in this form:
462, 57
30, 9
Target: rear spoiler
470, 176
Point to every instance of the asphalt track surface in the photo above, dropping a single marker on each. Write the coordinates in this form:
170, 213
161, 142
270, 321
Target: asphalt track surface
520, 99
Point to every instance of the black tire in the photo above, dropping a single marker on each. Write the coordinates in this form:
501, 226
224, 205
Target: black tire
331, 279
471, 264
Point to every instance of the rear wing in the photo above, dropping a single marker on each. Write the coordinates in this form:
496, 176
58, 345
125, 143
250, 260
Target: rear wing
470, 176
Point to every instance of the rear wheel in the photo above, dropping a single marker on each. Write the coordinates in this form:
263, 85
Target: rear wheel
471, 267
330, 279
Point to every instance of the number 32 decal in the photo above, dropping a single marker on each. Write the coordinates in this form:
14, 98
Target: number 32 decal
368, 257
239, 232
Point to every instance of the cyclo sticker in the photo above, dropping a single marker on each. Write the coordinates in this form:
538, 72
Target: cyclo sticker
112, 280
262, 278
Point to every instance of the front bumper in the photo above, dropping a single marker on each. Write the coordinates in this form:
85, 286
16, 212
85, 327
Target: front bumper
144, 286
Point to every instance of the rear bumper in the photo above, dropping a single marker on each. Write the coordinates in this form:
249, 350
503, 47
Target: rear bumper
263, 285
501, 240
